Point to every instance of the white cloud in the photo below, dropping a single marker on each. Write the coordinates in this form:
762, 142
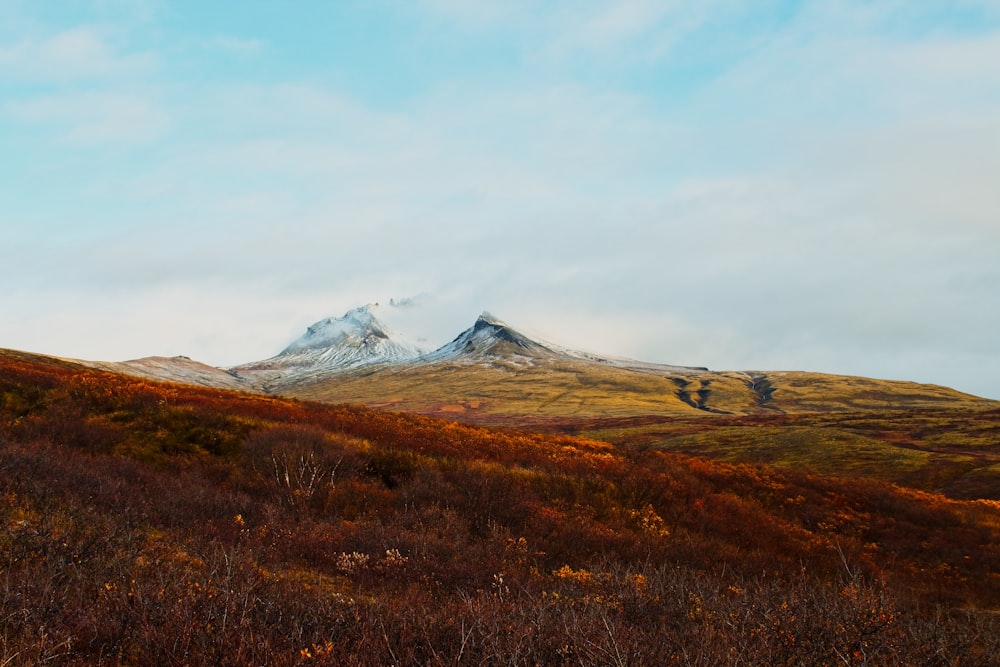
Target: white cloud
828, 203
236, 46
77, 54
622, 31
616, 31
94, 118
832, 67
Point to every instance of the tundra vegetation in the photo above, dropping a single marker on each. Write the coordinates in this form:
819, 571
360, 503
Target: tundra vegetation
145, 523
921, 436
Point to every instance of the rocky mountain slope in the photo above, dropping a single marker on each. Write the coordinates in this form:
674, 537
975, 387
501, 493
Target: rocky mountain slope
334, 345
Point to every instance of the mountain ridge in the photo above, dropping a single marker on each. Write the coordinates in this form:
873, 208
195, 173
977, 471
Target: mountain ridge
492, 371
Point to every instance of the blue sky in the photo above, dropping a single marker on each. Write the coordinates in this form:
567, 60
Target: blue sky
766, 185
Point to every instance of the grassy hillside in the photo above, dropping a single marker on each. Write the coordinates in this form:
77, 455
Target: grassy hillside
924, 436
157, 524
951, 451
545, 388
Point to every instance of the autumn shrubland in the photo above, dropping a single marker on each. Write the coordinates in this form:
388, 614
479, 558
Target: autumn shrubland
954, 451
921, 436
145, 523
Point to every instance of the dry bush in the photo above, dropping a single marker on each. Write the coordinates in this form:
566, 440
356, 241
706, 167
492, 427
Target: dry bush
303, 463
429, 543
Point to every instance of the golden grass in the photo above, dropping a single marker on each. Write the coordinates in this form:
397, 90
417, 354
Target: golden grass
923, 436
548, 388
947, 451
819, 392
822, 450
581, 389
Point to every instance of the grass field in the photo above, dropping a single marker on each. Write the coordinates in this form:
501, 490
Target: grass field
955, 452
582, 389
924, 436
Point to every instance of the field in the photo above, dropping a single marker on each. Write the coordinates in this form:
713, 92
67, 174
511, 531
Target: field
954, 452
145, 523
922, 436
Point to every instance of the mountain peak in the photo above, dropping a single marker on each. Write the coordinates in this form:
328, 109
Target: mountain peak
489, 339
355, 339
359, 323
487, 319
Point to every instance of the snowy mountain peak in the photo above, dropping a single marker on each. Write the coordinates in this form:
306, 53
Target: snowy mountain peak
486, 319
359, 323
355, 339
490, 338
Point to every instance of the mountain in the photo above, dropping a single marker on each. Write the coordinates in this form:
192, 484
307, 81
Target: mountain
491, 339
494, 369
336, 344
491, 373
179, 369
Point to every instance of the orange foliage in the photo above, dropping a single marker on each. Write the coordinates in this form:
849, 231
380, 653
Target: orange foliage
146, 523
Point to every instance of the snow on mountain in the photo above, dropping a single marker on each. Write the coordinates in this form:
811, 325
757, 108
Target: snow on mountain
178, 369
356, 339
490, 338
359, 340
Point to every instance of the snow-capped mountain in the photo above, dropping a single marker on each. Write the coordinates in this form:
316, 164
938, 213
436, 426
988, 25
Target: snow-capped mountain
490, 338
359, 342
492, 372
356, 339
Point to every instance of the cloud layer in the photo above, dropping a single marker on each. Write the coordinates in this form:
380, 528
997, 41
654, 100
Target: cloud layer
798, 186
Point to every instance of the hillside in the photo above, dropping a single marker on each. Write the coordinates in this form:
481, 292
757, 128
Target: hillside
144, 523
492, 372
579, 388
922, 436
180, 369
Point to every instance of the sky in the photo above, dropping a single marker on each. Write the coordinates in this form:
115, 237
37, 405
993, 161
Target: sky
740, 185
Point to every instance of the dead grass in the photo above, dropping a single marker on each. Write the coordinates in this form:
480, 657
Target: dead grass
924, 436
946, 451
549, 388
822, 450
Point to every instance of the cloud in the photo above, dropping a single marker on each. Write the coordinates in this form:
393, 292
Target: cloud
629, 30
406, 301
236, 46
823, 197
94, 118
833, 64
603, 34
78, 54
